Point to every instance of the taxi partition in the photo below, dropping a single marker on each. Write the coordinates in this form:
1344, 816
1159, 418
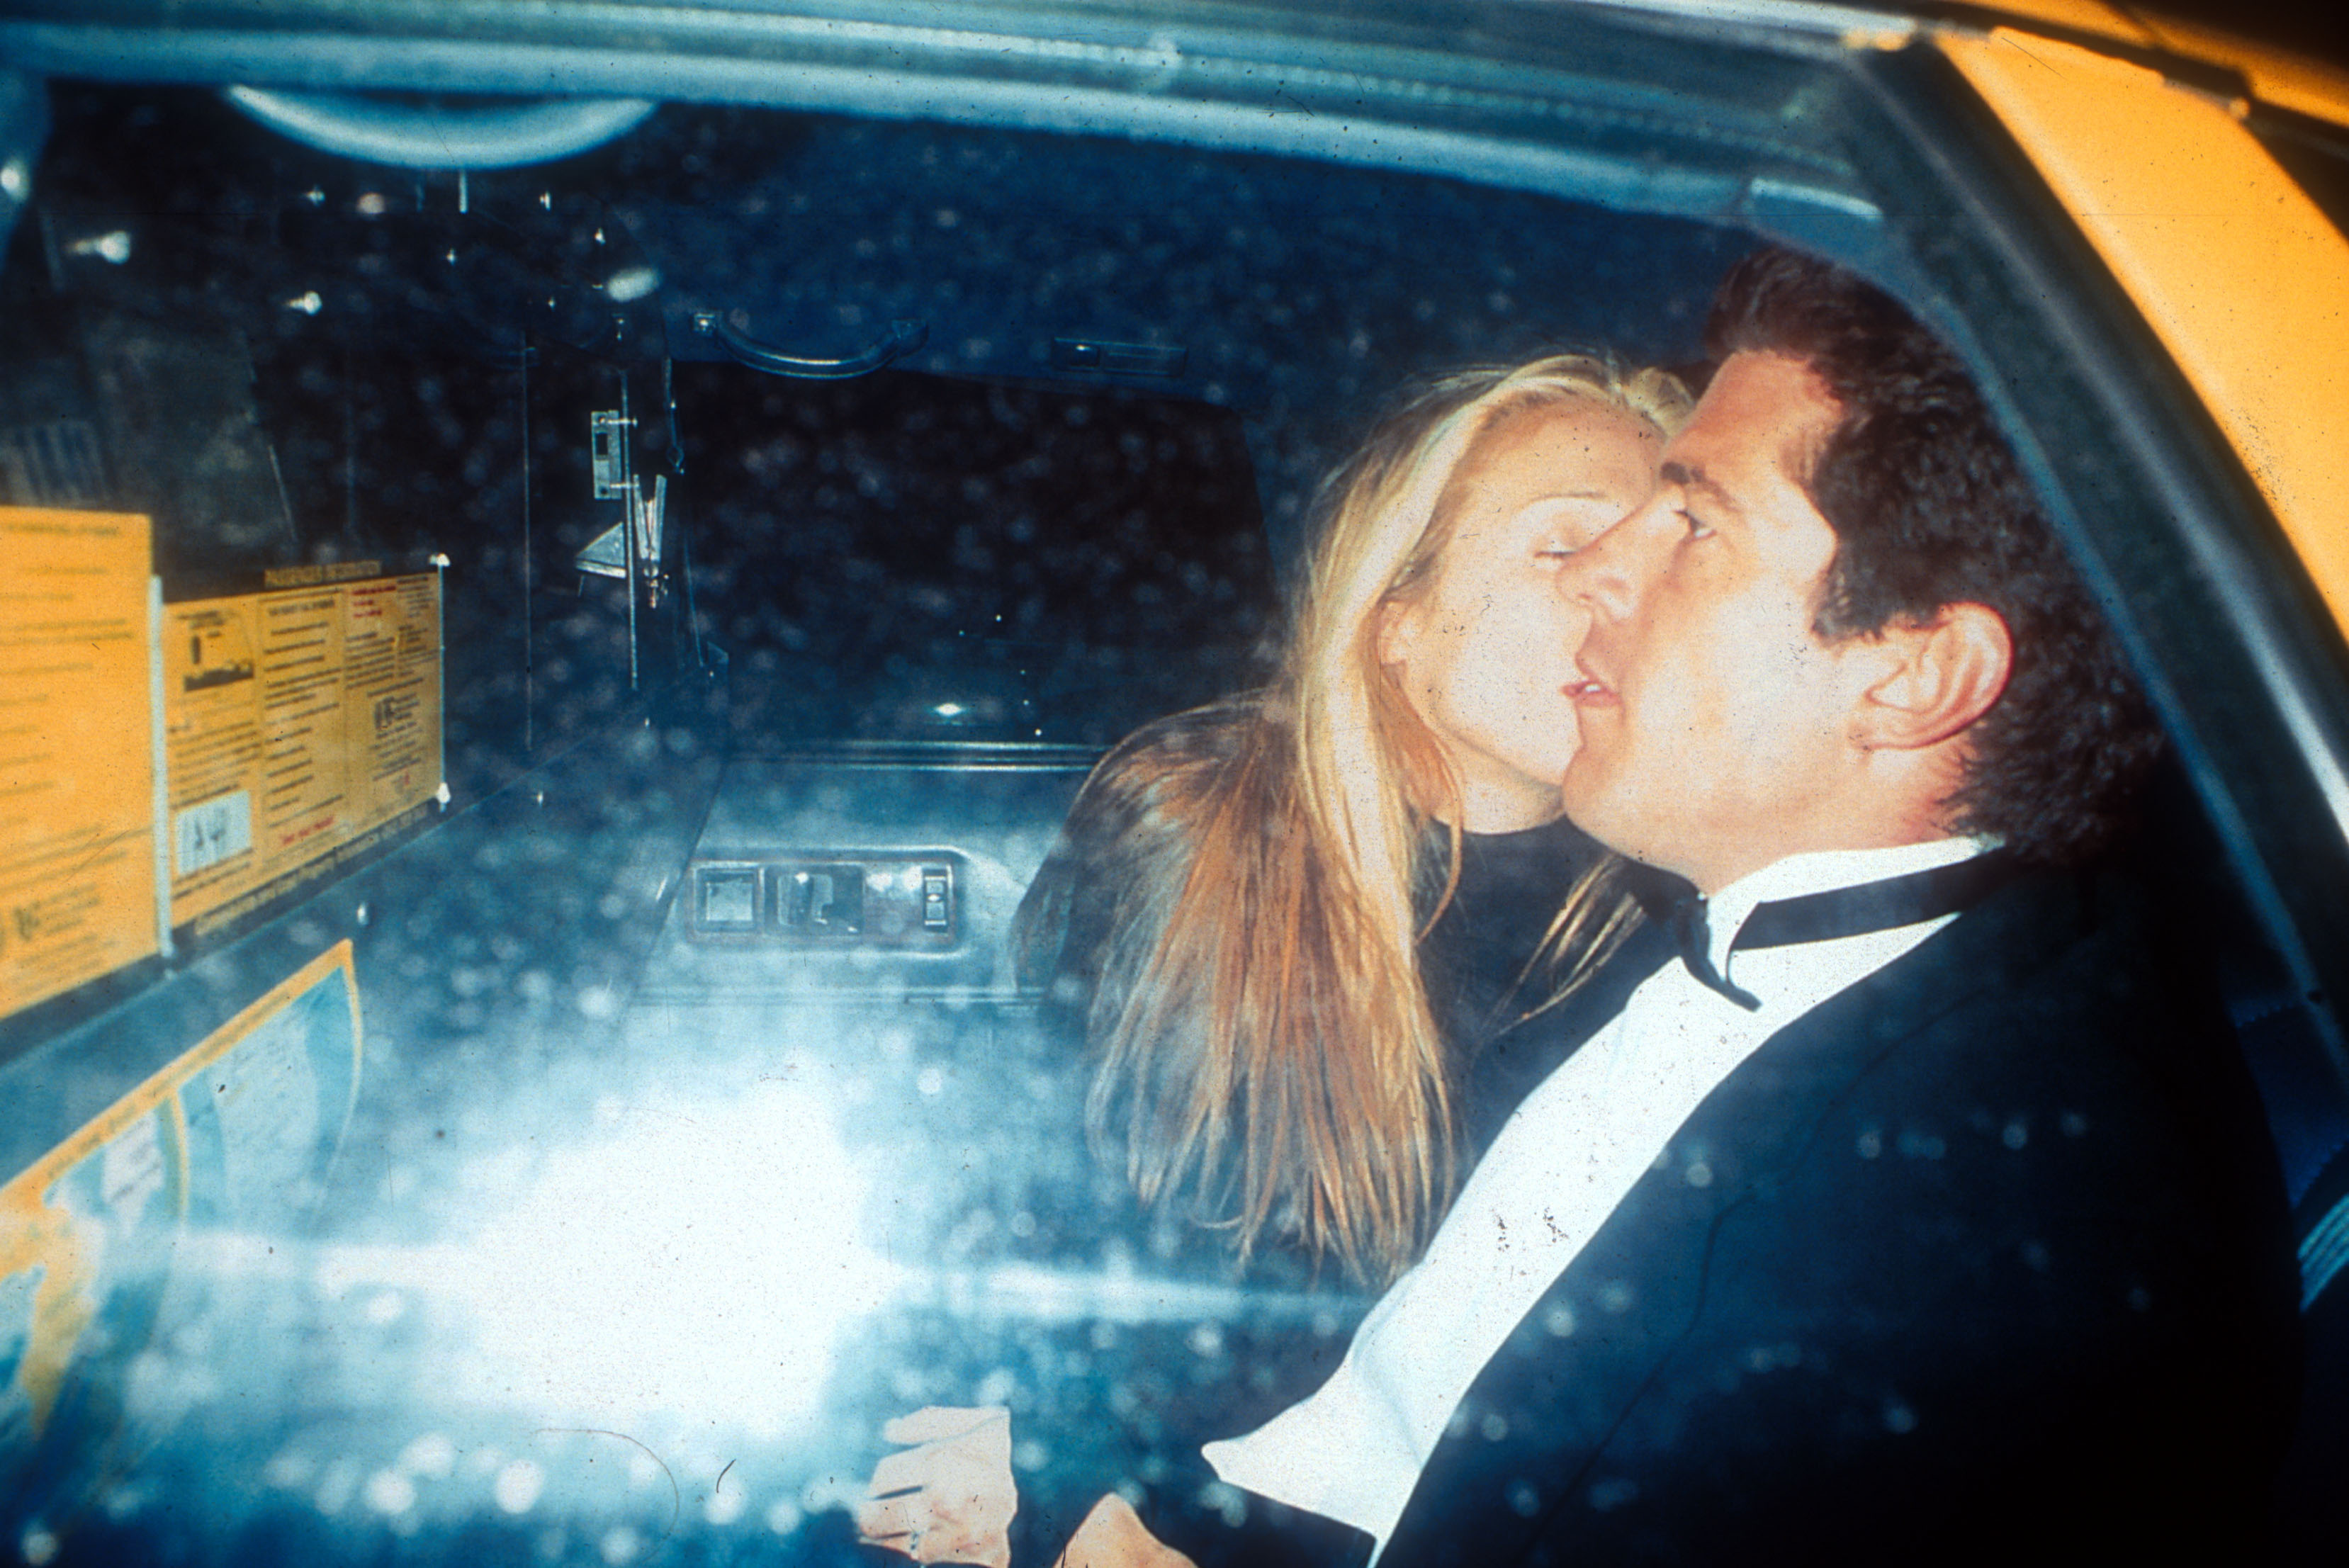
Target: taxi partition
293, 615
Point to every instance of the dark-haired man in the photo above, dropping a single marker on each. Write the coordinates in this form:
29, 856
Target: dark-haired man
1915, 1214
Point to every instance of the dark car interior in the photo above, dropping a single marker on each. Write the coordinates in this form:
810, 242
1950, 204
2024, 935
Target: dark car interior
813, 497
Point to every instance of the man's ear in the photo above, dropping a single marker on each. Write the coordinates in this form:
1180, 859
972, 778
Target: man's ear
1950, 668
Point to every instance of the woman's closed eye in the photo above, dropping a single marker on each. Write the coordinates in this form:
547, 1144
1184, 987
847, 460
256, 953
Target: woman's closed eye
1567, 523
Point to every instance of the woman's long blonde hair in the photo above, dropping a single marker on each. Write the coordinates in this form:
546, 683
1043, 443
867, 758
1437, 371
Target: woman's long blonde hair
1264, 1038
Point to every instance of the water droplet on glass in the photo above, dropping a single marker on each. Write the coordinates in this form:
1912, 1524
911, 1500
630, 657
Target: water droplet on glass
1608, 1495
432, 1456
517, 1487
389, 1492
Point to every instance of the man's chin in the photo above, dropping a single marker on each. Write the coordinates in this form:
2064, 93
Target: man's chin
1592, 805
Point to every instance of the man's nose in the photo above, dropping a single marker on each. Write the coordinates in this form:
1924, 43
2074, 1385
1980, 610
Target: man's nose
1603, 574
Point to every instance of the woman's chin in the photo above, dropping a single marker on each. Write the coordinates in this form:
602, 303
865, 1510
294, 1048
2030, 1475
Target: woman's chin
1495, 806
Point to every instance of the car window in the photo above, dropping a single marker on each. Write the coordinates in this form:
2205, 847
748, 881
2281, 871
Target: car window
668, 949
559, 1114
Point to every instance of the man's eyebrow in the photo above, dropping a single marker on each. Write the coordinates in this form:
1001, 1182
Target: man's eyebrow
1691, 476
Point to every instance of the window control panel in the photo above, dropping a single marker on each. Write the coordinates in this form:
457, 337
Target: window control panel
880, 899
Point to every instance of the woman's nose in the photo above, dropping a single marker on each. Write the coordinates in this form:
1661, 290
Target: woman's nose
1599, 575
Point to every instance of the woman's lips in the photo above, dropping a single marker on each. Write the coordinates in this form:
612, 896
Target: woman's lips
1589, 691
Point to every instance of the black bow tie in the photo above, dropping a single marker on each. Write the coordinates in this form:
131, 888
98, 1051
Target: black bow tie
1840, 911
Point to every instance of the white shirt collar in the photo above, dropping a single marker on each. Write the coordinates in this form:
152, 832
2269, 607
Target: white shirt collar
1823, 871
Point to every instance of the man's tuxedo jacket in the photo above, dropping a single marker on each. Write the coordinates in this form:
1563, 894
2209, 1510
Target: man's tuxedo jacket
1985, 1259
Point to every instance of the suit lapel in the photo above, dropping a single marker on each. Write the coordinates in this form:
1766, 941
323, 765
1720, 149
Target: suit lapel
1522, 1442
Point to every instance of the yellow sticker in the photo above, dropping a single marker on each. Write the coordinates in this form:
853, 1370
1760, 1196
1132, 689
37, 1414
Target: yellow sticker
296, 723
77, 762
236, 1134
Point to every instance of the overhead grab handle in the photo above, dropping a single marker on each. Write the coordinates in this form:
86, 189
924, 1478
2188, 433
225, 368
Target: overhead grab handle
903, 338
441, 136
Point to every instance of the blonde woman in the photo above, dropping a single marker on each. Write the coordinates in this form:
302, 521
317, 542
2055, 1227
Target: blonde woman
1308, 931
1322, 938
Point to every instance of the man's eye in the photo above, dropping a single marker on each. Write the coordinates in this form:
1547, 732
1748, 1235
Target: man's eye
1697, 527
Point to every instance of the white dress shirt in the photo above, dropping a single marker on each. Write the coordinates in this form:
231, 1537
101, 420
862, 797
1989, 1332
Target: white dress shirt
1568, 1155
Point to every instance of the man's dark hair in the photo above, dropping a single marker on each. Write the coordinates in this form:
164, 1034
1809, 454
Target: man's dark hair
1930, 509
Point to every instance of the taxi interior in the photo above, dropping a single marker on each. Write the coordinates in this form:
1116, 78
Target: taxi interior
816, 472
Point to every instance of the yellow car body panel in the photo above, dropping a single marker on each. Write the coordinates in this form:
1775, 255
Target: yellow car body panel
2244, 279
2078, 17
2313, 87
2277, 77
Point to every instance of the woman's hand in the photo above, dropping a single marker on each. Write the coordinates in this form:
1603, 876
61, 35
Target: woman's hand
950, 1498
1113, 1536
